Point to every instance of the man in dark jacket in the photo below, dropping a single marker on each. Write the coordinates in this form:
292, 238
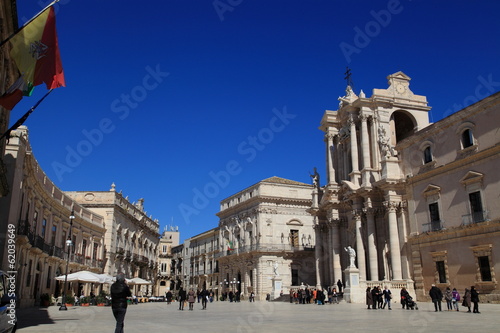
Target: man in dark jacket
436, 296
119, 293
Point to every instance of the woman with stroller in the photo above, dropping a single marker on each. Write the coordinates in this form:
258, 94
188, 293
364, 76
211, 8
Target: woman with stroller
404, 298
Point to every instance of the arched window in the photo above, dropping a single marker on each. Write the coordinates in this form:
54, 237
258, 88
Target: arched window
467, 138
427, 155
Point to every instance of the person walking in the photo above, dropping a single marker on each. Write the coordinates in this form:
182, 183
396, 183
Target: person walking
375, 294
456, 298
369, 299
466, 302
181, 297
119, 294
191, 298
168, 296
448, 296
474, 297
204, 299
404, 298
436, 296
387, 298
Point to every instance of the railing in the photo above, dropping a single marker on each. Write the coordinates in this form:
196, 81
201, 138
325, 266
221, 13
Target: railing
269, 248
475, 217
433, 226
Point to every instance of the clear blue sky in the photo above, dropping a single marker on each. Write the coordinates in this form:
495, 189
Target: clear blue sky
171, 93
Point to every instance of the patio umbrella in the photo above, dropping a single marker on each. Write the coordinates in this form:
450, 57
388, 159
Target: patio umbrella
82, 276
138, 281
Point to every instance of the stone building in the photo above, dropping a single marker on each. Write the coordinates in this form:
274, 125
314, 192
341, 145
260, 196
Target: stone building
131, 238
266, 238
164, 278
39, 214
363, 203
201, 252
452, 190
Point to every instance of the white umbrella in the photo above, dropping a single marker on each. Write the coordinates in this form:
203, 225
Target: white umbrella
82, 276
138, 280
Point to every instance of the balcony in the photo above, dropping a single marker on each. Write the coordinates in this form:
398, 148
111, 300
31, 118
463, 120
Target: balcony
475, 217
433, 226
266, 248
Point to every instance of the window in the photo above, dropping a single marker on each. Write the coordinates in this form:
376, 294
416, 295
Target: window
49, 277
94, 253
63, 238
84, 247
53, 235
427, 155
440, 268
295, 277
434, 216
35, 218
476, 207
294, 237
44, 227
467, 139
484, 268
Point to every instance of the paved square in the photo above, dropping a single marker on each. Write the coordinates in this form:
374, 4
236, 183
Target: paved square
260, 317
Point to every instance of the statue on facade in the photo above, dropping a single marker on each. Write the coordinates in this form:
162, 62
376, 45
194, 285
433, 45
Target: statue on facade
383, 140
315, 178
276, 269
352, 255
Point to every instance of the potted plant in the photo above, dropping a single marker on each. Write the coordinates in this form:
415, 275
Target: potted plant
100, 300
85, 301
45, 299
70, 300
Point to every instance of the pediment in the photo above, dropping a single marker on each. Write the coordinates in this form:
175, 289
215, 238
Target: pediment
399, 76
431, 190
472, 177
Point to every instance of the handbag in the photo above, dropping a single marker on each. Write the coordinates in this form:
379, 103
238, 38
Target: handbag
464, 303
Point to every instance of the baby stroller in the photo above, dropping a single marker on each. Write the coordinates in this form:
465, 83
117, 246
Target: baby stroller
410, 303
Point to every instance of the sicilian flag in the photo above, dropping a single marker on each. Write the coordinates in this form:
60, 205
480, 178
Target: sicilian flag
35, 51
15, 93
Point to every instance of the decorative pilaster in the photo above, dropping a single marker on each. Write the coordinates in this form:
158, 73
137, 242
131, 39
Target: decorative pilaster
372, 249
354, 152
360, 248
365, 149
317, 253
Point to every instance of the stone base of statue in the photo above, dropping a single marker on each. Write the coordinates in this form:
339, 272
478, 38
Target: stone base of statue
353, 291
391, 168
277, 287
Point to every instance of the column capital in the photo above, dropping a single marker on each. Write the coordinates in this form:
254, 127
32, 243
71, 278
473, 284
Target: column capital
391, 206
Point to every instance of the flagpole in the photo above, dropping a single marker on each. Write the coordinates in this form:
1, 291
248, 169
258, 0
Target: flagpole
24, 117
28, 22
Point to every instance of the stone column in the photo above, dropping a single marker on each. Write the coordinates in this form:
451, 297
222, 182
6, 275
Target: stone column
372, 249
394, 240
360, 248
317, 253
335, 235
329, 156
354, 152
403, 239
365, 149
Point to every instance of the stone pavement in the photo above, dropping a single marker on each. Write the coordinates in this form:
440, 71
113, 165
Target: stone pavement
260, 317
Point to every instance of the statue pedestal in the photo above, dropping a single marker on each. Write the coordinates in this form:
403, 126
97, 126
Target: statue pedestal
277, 287
353, 291
391, 168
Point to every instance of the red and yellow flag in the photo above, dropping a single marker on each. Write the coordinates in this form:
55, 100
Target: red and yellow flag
36, 52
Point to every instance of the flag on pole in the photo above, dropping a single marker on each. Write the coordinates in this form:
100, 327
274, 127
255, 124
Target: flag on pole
229, 245
15, 93
36, 52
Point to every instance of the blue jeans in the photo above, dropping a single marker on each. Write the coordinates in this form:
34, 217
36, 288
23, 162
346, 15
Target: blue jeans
119, 314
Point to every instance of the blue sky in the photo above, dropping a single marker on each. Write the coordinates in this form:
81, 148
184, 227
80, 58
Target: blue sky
170, 99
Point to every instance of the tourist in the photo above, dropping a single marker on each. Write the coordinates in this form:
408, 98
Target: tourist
448, 296
120, 292
168, 296
380, 297
204, 299
181, 297
474, 297
191, 298
404, 298
369, 297
340, 285
436, 297
375, 297
387, 298
467, 299
456, 298
335, 296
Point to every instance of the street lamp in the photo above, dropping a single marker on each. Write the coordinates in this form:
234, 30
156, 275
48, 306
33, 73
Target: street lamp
68, 244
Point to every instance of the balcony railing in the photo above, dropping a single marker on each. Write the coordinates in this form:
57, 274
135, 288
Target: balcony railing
266, 248
475, 217
433, 226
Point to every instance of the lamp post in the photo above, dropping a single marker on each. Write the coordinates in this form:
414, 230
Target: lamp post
68, 244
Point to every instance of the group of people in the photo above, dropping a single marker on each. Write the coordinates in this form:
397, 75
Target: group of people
376, 298
308, 295
452, 298
190, 298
